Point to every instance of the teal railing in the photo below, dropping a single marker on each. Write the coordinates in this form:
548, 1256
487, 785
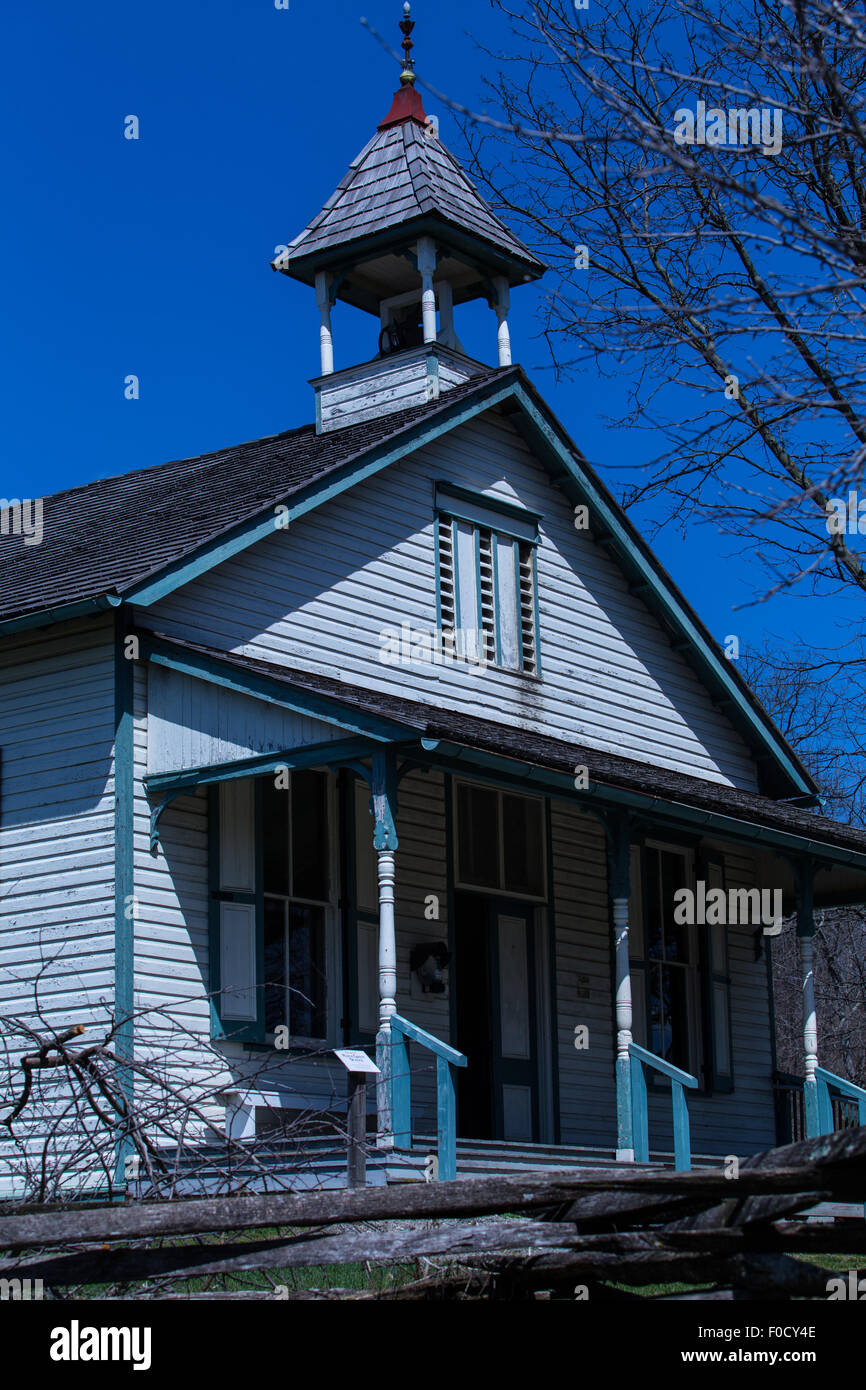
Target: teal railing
402, 1031
640, 1058
820, 1117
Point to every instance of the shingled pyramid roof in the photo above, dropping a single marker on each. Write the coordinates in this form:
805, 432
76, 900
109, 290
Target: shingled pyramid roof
402, 185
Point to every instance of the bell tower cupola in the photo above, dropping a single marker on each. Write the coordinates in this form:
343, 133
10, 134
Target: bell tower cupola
406, 237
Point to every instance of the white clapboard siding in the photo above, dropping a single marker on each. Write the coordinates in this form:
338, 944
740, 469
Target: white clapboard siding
56, 839
319, 595
193, 724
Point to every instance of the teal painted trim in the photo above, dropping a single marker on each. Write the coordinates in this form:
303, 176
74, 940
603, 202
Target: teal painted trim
637, 557
649, 1059
124, 879
499, 771
446, 1121
383, 787
640, 1058
66, 611
401, 1101
214, 982
682, 1141
477, 509
273, 690
367, 462
827, 1082
310, 755
433, 1044
446, 1101
814, 1118
640, 1128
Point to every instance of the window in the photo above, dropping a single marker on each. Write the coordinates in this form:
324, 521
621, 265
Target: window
296, 893
664, 957
274, 923
500, 841
717, 985
487, 580
366, 913
680, 973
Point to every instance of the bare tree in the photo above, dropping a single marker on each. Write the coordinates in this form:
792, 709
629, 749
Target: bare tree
724, 281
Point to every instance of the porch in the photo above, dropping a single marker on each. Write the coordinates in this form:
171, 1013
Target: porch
497, 933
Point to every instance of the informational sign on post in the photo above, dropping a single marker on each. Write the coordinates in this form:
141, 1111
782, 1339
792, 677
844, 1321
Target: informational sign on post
359, 1066
354, 1059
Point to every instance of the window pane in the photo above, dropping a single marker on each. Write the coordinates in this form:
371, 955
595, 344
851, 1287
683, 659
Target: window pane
507, 603
478, 836
676, 934
275, 819
524, 853
275, 964
309, 835
366, 868
638, 1007
655, 941
308, 998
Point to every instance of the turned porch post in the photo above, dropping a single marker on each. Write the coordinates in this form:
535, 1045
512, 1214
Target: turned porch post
502, 305
383, 786
806, 934
326, 341
619, 880
426, 252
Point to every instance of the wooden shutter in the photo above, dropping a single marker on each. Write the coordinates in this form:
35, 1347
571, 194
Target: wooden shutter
236, 912
528, 625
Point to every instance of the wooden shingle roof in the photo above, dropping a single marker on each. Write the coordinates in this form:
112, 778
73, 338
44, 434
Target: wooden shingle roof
111, 534
403, 184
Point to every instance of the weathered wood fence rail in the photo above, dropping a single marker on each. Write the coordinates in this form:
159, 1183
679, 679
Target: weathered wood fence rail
593, 1227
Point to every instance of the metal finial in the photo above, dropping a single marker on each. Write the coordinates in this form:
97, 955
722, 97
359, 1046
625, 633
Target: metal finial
407, 76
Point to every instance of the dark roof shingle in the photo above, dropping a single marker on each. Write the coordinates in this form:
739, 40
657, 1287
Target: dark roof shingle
111, 534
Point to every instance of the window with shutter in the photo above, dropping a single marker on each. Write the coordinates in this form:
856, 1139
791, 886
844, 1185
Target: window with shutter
273, 920
487, 580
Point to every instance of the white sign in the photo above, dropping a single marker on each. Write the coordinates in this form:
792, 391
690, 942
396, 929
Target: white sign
356, 1060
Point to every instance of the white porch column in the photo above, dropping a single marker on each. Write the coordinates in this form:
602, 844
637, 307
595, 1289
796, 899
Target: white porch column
806, 933
810, 1017
383, 784
326, 342
625, 1142
426, 252
503, 304
387, 940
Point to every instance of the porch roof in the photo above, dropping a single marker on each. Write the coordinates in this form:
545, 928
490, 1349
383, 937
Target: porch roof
522, 756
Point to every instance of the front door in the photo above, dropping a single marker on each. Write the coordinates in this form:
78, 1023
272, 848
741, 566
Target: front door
494, 976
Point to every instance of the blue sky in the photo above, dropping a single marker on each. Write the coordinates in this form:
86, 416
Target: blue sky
151, 256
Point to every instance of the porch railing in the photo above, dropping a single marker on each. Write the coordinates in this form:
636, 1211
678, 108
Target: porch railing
790, 1108
446, 1100
833, 1111
640, 1058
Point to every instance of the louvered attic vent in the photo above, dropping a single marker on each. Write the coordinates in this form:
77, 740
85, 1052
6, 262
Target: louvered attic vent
487, 579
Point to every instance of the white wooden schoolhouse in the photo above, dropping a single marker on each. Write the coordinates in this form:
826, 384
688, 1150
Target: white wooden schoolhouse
390, 732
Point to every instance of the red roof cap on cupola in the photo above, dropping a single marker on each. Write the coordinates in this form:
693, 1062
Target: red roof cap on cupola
407, 104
